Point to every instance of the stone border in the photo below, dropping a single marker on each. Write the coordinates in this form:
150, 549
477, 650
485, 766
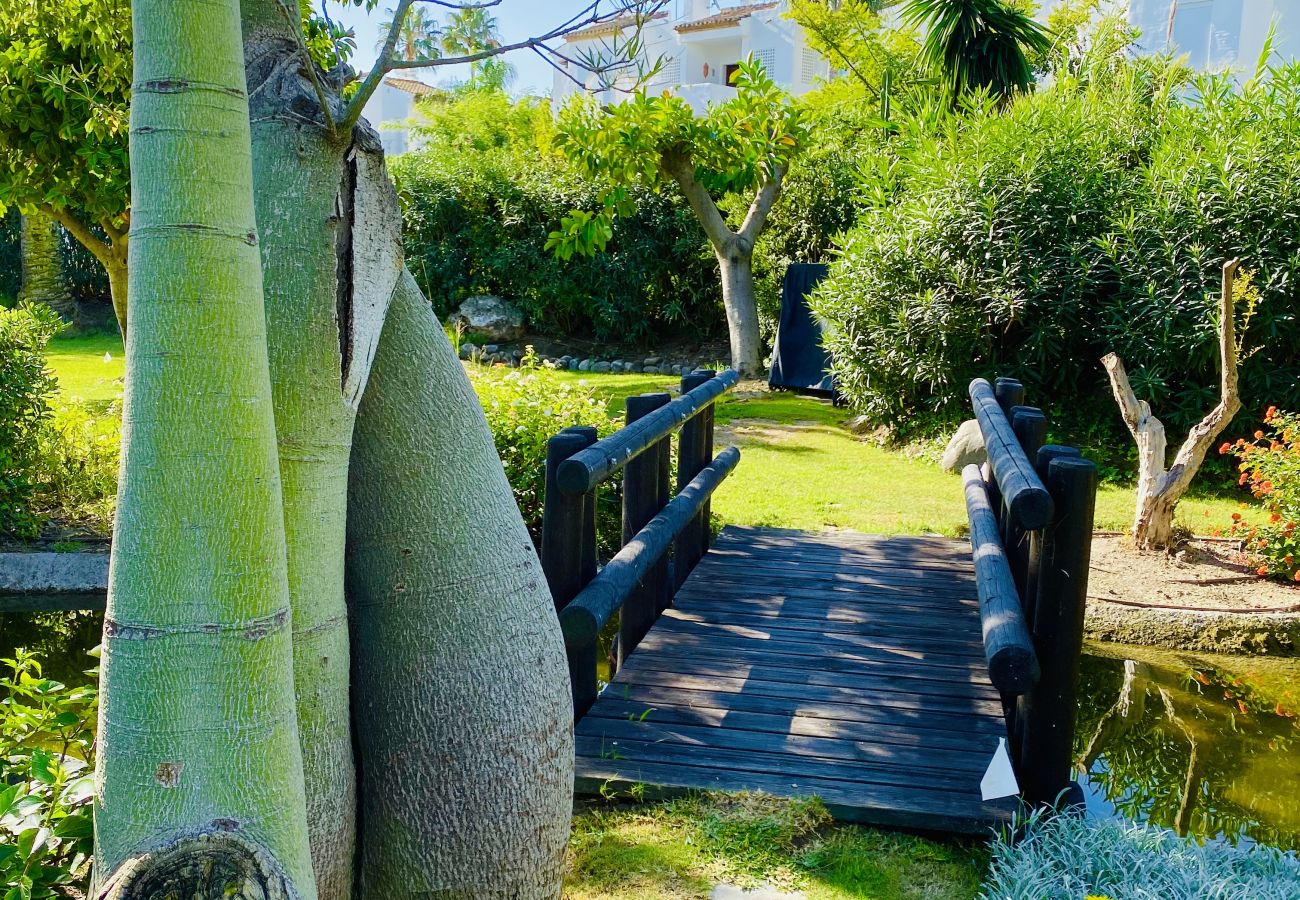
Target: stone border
493, 354
1261, 634
48, 572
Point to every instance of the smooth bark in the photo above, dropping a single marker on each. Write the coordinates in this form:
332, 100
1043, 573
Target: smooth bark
1160, 489
461, 694
199, 768
734, 251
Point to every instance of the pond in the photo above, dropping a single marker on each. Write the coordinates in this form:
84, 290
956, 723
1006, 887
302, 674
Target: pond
1207, 745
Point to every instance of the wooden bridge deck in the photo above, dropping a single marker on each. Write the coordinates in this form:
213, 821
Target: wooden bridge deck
840, 665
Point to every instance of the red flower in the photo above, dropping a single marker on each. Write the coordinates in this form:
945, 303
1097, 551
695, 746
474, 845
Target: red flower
1236, 517
1225, 448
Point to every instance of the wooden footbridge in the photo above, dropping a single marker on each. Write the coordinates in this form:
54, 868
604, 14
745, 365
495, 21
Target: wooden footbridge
877, 673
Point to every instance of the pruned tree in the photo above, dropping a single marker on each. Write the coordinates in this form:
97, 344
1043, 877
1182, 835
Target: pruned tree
1159, 488
314, 528
743, 145
65, 77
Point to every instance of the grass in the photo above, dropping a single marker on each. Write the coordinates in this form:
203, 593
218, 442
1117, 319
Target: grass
1067, 857
683, 848
89, 367
802, 468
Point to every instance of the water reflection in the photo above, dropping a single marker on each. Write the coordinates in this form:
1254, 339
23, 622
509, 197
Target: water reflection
1203, 744
59, 640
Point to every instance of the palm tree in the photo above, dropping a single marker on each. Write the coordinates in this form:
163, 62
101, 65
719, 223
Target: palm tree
474, 30
978, 43
417, 38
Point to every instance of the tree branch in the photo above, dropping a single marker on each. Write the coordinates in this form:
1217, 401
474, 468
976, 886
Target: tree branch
102, 250
295, 27
766, 198
678, 165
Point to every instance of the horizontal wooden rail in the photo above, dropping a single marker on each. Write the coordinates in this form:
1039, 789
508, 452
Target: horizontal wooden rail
1022, 491
588, 468
584, 616
1008, 645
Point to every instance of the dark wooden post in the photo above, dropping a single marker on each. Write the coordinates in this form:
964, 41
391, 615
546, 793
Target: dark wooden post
706, 439
1030, 426
589, 564
1009, 393
641, 503
1049, 709
563, 520
690, 460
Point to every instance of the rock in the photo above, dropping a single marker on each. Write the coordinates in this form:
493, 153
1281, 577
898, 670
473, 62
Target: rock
731, 892
965, 448
489, 349
466, 350
651, 361
859, 425
489, 317
601, 366
584, 366
665, 369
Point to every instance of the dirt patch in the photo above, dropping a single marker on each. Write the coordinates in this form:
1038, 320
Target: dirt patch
1202, 576
1203, 597
759, 431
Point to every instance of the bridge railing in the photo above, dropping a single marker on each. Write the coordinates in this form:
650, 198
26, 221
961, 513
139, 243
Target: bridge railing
1031, 517
640, 580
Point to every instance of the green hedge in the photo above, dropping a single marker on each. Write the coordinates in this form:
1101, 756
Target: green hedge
477, 222
1086, 218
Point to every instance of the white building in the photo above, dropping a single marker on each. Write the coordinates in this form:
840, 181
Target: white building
390, 110
700, 46
1217, 34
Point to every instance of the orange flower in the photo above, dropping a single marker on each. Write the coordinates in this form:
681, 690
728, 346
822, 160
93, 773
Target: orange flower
1262, 571
1259, 435
1236, 517
1225, 448
1276, 517
1297, 575
1268, 416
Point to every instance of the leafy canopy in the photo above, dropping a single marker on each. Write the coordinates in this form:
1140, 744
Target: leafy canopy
735, 147
65, 89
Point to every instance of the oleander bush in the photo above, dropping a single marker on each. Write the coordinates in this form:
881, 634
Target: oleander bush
1088, 217
1270, 467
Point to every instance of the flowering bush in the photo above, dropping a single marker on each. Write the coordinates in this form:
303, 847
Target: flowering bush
1270, 467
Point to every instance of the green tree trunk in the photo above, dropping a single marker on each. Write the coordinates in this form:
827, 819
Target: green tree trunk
200, 786
461, 691
42, 266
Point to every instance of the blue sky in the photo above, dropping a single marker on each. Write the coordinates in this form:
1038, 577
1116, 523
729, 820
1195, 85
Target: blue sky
517, 19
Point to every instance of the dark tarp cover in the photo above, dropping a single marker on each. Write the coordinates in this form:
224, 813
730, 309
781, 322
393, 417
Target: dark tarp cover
798, 361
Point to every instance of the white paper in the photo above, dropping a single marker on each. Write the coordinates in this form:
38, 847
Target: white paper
1000, 778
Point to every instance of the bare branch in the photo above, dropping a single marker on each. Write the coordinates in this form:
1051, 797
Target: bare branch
764, 200
678, 165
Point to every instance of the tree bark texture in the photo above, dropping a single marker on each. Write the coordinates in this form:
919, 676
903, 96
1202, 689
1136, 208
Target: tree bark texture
460, 694
199, 765
42, 266
1159, 489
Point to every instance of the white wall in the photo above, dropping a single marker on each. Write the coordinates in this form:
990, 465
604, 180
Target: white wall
385, 108
1217, 34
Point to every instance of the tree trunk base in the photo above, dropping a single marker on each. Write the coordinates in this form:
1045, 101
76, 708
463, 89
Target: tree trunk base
218, 865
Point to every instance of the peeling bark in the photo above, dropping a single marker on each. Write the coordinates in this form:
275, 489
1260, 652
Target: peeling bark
1160, 489
461, 692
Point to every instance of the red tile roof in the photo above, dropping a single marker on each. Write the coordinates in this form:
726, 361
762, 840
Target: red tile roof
613, 26
410, 85
729, 16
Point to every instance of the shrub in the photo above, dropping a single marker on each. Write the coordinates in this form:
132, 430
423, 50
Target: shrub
1270, 466
477, 223
1089, 217
76, 464
46, 782
524, 407
25, 387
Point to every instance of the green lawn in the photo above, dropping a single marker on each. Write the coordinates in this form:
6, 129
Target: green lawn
800, 467
89, 367
682, 848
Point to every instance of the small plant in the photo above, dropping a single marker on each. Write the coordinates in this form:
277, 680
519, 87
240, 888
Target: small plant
74, 472
1270, 467
46, 754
